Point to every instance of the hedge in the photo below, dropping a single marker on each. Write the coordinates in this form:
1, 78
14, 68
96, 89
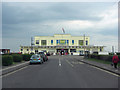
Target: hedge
17, 58
0, 60
103, 57
7, 60
26, 57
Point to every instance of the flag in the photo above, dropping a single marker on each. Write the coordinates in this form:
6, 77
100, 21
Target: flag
63, 30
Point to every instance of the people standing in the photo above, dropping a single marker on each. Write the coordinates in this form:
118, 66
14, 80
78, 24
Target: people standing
115, 60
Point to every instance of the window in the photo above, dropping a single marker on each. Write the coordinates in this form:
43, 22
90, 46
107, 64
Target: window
62, 42
21, 49
51, 42
81, 52
72, 50
72, 42
86, 42
27, 49
43, 42
37, 41
36, 51
57, 41
100, 49
80, 42
67, 41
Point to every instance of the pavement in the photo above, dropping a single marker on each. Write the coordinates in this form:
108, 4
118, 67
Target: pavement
17, 63
61, 72
107, 67
14, 67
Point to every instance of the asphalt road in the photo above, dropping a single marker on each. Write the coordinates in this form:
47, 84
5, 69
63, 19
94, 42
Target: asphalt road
60, 72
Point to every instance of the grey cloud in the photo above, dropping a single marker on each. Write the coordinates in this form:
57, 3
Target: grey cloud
23, 20
38, 12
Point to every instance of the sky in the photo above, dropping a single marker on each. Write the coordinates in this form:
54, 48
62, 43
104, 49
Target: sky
23, 20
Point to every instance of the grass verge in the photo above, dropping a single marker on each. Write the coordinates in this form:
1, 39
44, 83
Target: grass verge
18, 62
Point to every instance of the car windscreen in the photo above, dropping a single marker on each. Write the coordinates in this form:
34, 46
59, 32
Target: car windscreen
41, 52
35, 56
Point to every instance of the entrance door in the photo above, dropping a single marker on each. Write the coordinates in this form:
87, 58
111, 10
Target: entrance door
62, 51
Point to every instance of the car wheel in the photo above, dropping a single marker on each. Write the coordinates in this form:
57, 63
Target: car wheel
30, 63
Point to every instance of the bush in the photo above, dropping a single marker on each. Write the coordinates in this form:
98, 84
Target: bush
118, 53
17, 58
102, 57
7, 60
26, 57
119, 58
94, 56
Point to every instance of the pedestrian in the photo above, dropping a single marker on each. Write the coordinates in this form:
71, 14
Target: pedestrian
115, 60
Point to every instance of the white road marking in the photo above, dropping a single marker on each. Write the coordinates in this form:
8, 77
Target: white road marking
14, 66
74, 62
13, 72
60, 62
106, 71
81, 63
69, 63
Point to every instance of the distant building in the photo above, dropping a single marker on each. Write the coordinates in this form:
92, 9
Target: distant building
4, 51
61, 43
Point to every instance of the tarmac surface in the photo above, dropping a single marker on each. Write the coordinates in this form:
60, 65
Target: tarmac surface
60, 72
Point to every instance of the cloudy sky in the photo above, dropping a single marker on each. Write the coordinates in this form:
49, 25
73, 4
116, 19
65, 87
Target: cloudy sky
23, 20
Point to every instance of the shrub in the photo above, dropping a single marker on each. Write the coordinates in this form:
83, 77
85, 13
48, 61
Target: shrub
118, 53
7, 60
102, 57
17, 58
26, 57
94, 56
119, 58
111, 53
0, 60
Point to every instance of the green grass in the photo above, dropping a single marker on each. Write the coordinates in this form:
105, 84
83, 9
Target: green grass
17, 62
101, 61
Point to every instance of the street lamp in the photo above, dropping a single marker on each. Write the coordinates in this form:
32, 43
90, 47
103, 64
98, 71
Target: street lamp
84, 45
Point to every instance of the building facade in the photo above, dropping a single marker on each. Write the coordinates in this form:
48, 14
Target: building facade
61, 43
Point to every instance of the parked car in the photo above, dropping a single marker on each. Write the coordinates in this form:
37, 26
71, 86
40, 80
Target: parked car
36, 59
43, 55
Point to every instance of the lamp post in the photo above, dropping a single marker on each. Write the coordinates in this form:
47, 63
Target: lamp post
84, 45
32, 44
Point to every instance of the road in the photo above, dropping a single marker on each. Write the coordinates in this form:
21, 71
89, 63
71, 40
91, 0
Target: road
60, 72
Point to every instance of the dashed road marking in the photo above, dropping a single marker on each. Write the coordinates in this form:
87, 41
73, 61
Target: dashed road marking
60, 62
